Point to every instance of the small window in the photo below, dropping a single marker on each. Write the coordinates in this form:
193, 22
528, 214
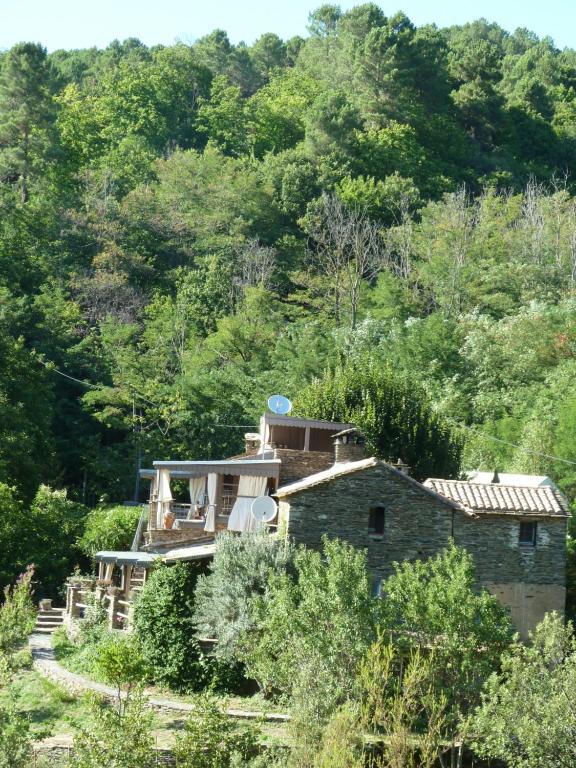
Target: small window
527, 534
376, 584
376, 521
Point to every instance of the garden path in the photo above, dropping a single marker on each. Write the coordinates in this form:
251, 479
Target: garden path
46, 664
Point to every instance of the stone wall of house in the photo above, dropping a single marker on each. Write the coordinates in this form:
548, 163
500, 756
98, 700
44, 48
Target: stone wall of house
529, 602
299, 464
493, 540
528, 580
416, 526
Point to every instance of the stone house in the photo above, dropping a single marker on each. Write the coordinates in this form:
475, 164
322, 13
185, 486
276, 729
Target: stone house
515, 533
323, 485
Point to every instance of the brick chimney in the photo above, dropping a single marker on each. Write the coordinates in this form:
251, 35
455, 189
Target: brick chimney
401, 467
251, 442
348, 446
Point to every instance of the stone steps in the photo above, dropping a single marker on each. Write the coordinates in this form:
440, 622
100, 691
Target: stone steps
48, 621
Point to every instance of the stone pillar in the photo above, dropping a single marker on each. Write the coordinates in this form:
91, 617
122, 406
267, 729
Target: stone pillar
113, 597
72, 601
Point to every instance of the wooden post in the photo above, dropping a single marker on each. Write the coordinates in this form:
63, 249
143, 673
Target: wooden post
307, 439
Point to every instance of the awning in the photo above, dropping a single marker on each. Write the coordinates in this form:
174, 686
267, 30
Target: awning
262, 468
140, 559
193, 552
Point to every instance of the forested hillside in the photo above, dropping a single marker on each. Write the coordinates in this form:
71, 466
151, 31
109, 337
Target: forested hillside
185, 230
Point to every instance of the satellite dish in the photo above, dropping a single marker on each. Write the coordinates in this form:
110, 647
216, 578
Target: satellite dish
279, 404
263, 509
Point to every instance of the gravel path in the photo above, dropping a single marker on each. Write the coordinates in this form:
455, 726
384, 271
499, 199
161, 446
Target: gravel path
45, 662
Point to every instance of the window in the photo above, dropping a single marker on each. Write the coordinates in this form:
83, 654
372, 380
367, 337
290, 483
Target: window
376, 521
376, 584
527, 534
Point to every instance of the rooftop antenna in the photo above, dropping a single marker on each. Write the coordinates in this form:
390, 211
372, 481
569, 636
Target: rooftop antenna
279, 405
263, 509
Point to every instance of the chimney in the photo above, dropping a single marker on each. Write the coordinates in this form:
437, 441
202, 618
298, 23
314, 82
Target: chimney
496, 477
251, 442
348, 446
401, 467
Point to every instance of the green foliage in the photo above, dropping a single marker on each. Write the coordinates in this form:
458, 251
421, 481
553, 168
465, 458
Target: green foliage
163, 622
237, 576
401, 707
120, 738
434, 605
111, 528
121, 663
527, 713
396, 419
16, 750
342, 743
54, 524
313, 628
214, 740
17, 614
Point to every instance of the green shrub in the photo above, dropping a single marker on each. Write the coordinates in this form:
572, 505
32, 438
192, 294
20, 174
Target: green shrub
17, 613
224, 597
120, 662
123, 739
109, 528
15, 738
164, 625
214, 740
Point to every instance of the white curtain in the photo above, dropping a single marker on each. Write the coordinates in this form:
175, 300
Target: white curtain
197, 491
164, 496
211, 487
249, 487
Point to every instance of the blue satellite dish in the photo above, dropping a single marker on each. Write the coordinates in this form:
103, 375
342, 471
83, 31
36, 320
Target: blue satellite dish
279, 404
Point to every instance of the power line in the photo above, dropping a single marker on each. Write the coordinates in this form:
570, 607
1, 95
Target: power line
89, 384
512, 445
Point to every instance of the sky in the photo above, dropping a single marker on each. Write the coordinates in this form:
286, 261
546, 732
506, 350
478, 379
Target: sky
85, 23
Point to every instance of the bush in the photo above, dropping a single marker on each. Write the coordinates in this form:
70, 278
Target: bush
224, 597
120, 663
123, 739
17, 614
163, 622
313, 630
528, 715
214, 740
109, 528
15, 738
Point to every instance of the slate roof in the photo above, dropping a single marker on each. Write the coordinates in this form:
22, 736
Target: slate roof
497, 498
349, 467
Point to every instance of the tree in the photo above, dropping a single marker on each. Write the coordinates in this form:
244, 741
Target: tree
54, 523
237, 576
402, 708
433, 606
527, 716
163, 622
212, 738
345, 246
120, 738
392, 412
222, 118
111, 528
312, 629
25, 113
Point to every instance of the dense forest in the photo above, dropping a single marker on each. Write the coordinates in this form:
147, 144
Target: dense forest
186, 229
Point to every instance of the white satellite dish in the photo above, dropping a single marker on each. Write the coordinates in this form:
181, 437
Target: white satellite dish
279, 405
263, 509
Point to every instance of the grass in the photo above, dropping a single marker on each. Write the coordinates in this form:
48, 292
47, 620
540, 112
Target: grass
80, 659
50, 709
